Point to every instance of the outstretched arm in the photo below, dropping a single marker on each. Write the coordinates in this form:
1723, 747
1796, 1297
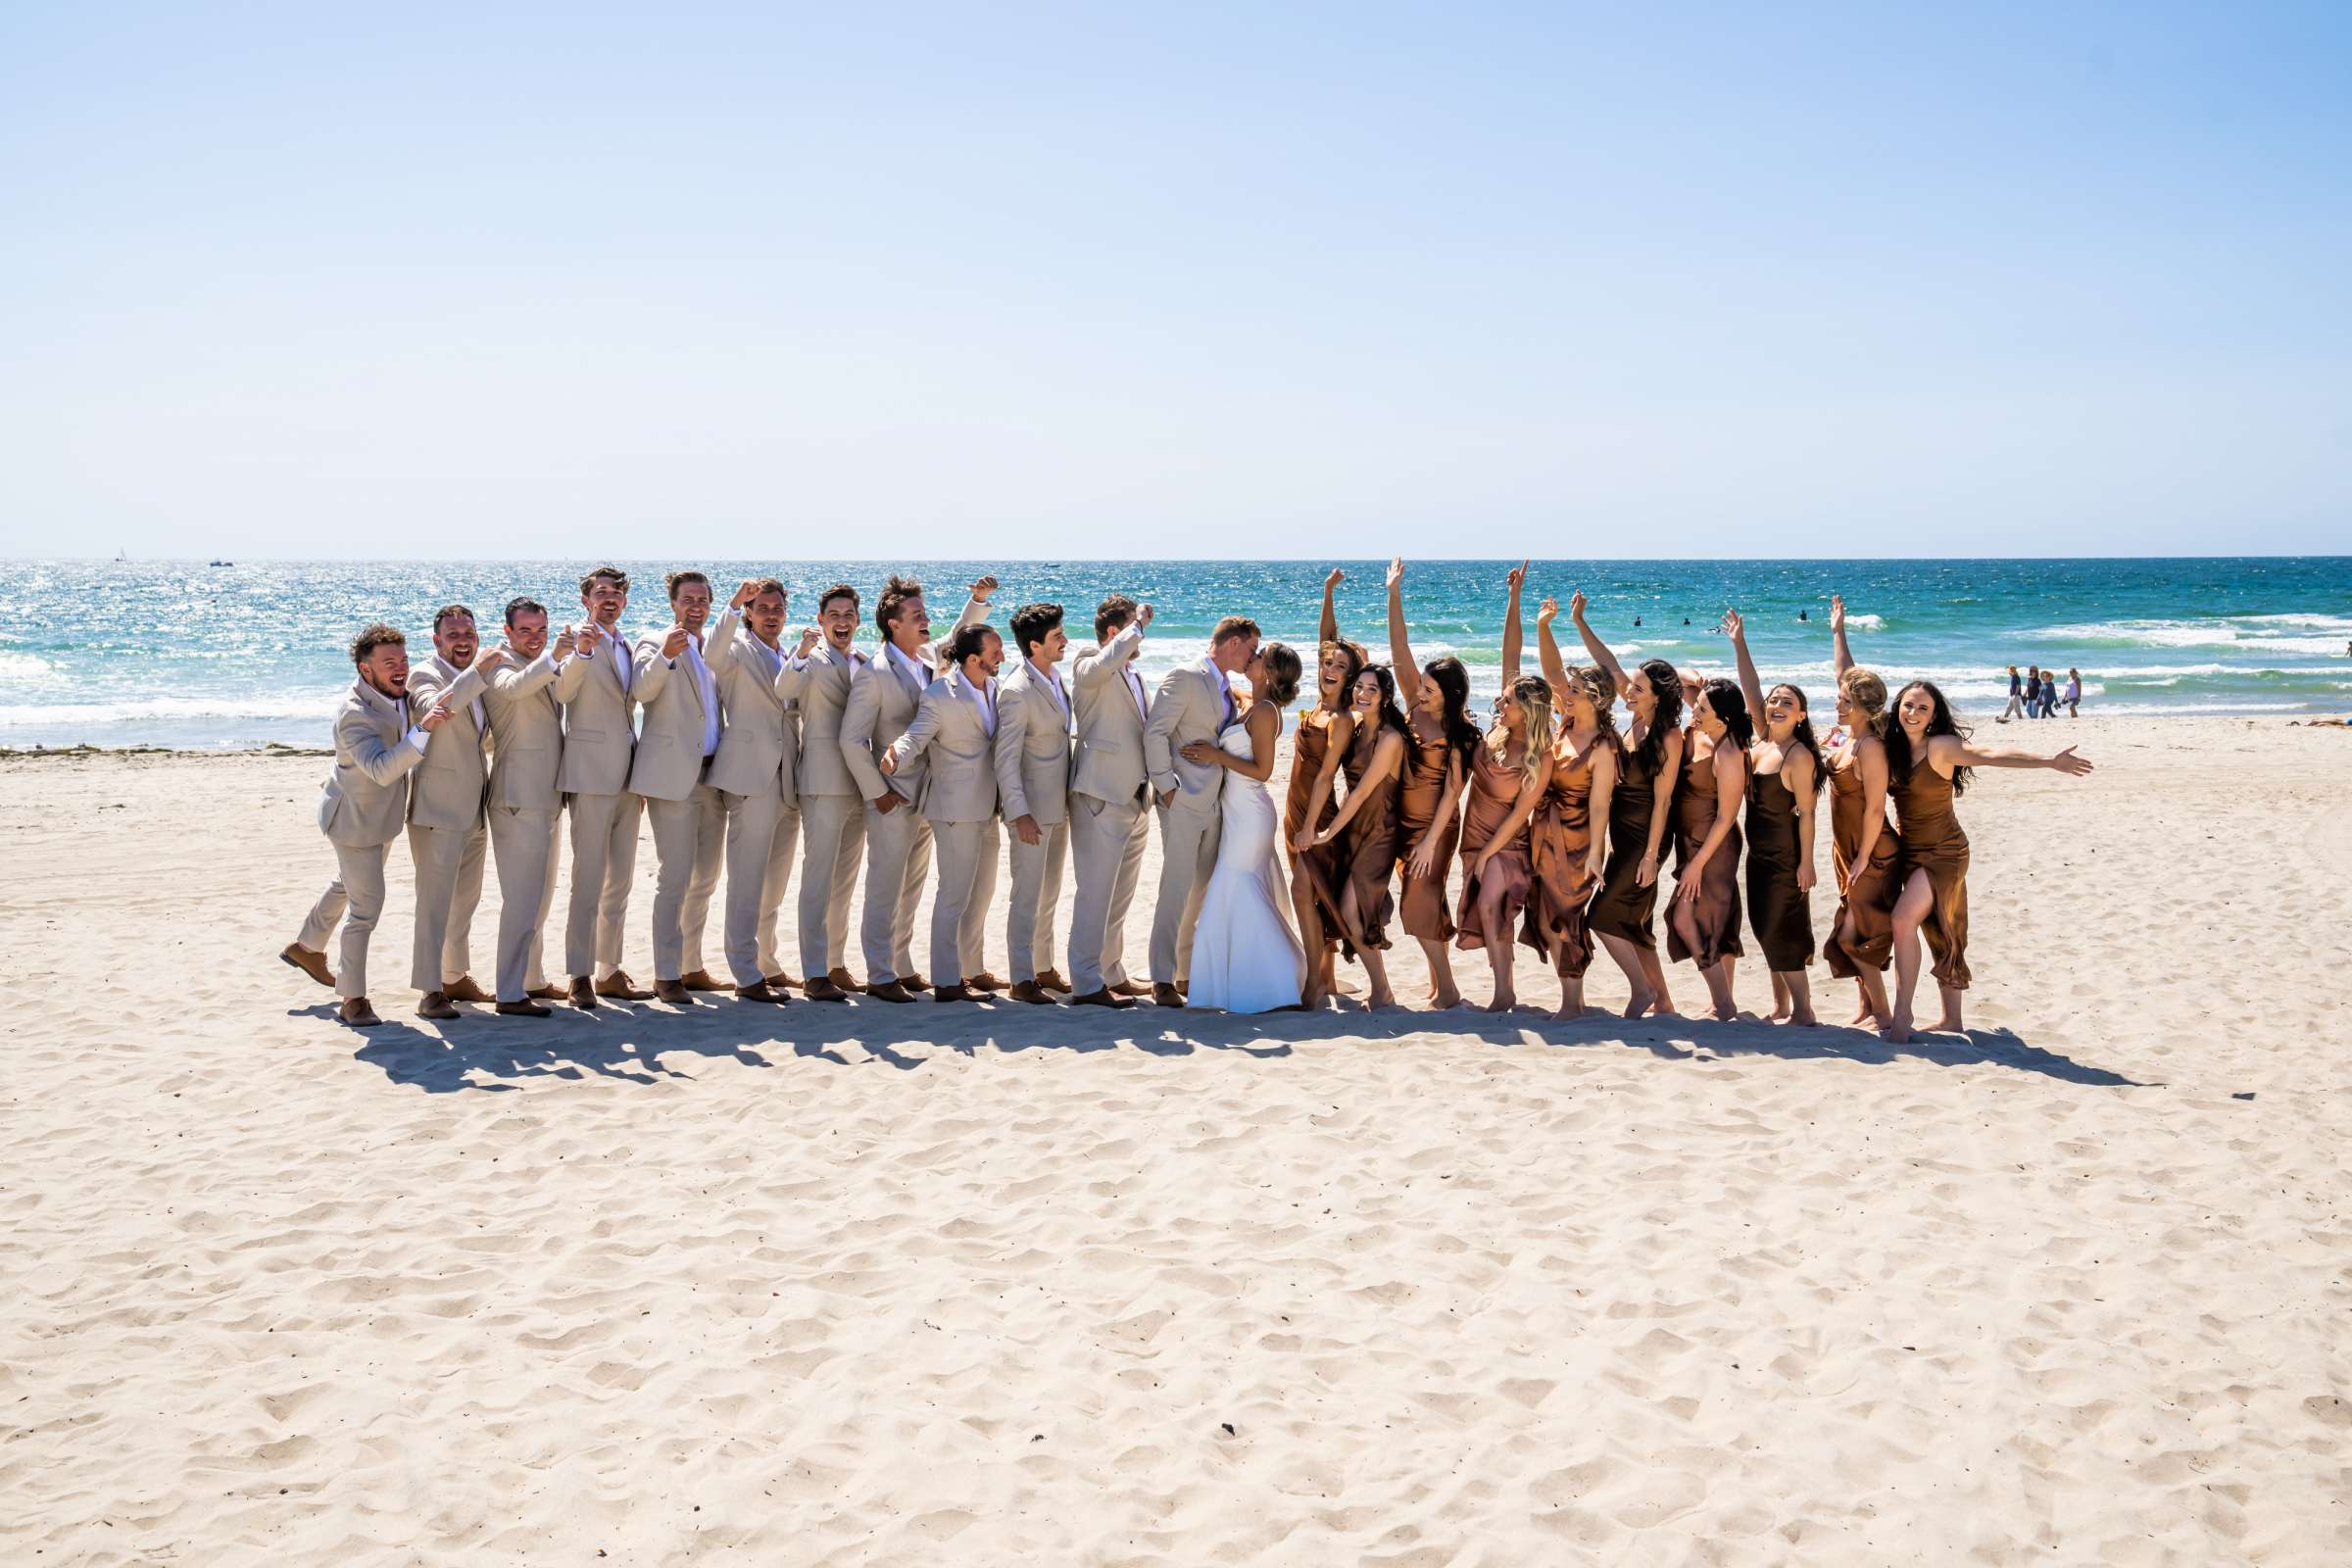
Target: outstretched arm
1845, 655
1512, 633
1401, 648
1954, 752
1594, 646
1749, 686
1547, 652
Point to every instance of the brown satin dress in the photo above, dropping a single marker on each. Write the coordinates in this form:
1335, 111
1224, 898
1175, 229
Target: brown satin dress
1492, 792
1422, 910
1779, 910
1934, 842
1871, 891
1717, 913
1307, 747
1624, 908
1365, 854
1559, 839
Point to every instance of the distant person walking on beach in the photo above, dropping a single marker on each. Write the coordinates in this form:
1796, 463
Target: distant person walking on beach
2017, 704
2074, 691
2032, 689
2050, 695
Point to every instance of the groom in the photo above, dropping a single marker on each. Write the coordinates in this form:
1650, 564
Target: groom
1195, 703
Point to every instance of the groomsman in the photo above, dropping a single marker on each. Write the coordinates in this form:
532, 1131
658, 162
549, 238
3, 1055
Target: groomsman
681, 731
597, 688
446, 832
832, 812
954, 733
883, 699
1033, 783
360, 810
526, 807
754, 773
1108, 829
1195, 702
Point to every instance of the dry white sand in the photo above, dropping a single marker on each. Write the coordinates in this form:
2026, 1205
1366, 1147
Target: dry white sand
1000, 1284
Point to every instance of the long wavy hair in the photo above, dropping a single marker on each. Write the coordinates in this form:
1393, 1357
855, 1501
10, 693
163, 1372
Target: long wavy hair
1729, 704
1452, 680
1532, 695
1354, 653
1593, 682
1899, 761
1802, 735
1866, 694
1666, 691
1391, 717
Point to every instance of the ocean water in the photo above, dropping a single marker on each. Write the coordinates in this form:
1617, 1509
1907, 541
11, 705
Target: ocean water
188, 655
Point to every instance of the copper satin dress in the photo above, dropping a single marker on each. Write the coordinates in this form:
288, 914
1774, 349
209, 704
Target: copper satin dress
1560, 838
1306, 761
1492, 793
1779, 912
1364, 854
1422, 910
1717, 912
1871, 891
1624, 908
1934, 842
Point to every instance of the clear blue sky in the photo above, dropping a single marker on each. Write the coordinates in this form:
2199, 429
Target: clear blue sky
1119, 281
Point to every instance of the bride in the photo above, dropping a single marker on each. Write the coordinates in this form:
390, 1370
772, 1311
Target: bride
1245, 957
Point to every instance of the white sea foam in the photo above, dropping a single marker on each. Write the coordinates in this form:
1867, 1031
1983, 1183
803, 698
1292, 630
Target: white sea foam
19, 670
315, 705
1865, 623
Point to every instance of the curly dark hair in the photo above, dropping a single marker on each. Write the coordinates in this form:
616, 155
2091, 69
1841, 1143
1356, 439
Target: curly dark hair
1666, 716
1899, 761
894, 593
1452, 678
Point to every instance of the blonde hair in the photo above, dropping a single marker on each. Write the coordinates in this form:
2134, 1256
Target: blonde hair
1533, 695
1867, 693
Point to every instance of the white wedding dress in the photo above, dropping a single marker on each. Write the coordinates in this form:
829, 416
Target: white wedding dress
1245, 957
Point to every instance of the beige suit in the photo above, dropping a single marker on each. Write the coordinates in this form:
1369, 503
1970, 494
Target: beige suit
526, 758
360, 810
1193, 703
882, 703
682, 730
1108, 828
1033, 780
953, 733
600, 743
832, 812
447, 837
755, 774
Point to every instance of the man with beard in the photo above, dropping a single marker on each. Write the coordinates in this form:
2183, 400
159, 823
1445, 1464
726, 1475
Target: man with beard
445, 835
682, 727
595, 687
526, 756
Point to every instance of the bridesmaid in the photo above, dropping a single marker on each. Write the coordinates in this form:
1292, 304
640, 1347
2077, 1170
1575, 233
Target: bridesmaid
1365, 831
1640, 810
1784, 774
1864, 852
1437, 704
1704, 925
1929, 756
1508, 775
1322, 737
1569, 834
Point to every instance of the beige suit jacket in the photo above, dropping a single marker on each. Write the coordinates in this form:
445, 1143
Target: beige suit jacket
526, 735
669, 742
367, 795
951, 733
449, 784
825, 691
881, 704
598, 740
761, 748
1188, 706
1109, 765
1032, 749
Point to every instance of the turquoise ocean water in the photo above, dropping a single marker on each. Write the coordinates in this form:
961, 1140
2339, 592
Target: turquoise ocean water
183, 654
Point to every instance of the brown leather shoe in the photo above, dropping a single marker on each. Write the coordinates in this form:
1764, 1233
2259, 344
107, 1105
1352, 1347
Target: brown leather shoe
620, 987
890, 990
436, 1005
1031, 992
462, 988
1052, 980
583, 995
1164, 994
548, 993
983, 981
525, 1008
701, 980
762, 991
822, 989
1102, 998
1132, 988
954, 992
844, 979
782, 982
310, 961
672, 992
915, 982
356, 1013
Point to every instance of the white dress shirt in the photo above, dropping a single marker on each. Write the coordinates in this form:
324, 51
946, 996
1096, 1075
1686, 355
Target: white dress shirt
397, 707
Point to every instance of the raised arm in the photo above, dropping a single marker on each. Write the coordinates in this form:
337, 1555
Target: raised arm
1512, 632
1400, 647
1547, 651
1102, 666
1594, 646
1749, 687
1327, 628
1845, 655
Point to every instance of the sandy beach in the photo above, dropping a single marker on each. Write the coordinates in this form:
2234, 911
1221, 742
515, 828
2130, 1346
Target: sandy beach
995, 1284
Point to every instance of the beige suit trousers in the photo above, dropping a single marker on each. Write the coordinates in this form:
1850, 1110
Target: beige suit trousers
522, 845
833, 832
358, 889
898, 858
690, 840
604, 862
1036, 889
1107, 839
449, 889
762, 830
966, 881
1188, 846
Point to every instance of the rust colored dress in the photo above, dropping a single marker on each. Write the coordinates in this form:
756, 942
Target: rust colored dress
1624, 908
1422, 910
1365, 855
1491, 794
1934, 842
1779, 912
1560, 838
1717, 913
1871, 891
1307, 747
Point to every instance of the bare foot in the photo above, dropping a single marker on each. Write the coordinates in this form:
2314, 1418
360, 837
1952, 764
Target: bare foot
1577, 1014
1663, 1007
1724, 1014
1949, 1025
1382, 1000
1863, 1017
1897, 1030
1504, 1002
1642, 1003
1804, 1020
